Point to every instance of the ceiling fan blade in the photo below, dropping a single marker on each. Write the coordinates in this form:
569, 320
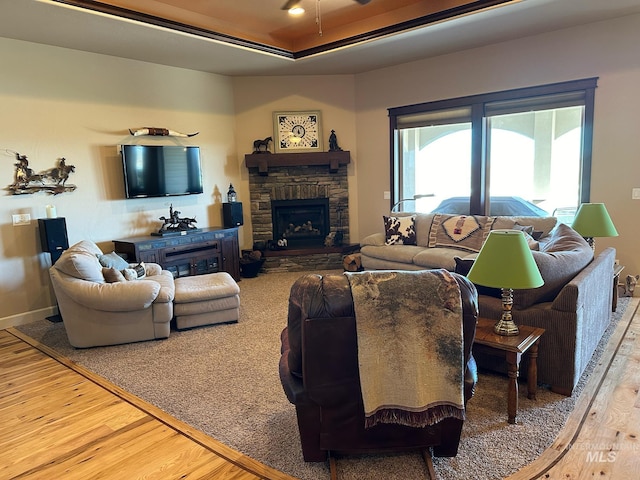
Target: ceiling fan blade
290, 4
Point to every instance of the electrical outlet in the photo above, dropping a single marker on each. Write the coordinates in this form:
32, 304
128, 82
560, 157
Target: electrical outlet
21, 219
386, 195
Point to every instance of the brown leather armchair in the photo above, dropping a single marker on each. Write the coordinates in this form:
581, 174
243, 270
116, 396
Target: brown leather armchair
320, 376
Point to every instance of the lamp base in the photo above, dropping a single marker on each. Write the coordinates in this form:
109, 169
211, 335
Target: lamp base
592, 242
506, 325
506, 328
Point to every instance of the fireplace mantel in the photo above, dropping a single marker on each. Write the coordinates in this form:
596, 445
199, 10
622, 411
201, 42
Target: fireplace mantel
265, 160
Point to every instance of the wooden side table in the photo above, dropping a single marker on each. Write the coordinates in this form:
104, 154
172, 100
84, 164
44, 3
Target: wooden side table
512, 347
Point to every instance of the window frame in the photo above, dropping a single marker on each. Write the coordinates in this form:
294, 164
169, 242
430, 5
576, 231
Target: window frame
583, 88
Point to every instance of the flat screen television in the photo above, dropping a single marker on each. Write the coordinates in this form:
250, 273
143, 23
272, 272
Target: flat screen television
161, 170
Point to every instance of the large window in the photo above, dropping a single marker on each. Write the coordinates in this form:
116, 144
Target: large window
518, 152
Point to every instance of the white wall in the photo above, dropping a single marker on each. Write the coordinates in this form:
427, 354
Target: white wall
607, 50
63, 103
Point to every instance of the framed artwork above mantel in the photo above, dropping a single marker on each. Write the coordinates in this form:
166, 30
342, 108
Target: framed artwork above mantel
297, 131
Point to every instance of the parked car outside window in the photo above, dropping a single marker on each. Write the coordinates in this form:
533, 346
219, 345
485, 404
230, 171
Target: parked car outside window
514, 206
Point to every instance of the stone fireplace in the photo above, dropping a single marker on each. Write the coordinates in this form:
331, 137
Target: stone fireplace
309, 200
306, 184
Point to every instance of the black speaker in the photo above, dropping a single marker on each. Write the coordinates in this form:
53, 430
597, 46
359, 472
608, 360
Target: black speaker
53, 236
232, 214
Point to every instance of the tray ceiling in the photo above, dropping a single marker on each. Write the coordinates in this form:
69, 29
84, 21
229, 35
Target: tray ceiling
256, 37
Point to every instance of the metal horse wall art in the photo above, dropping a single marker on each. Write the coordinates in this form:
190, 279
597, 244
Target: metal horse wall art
52, 180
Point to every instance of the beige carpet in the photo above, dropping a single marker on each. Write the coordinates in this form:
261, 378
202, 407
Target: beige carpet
223, 380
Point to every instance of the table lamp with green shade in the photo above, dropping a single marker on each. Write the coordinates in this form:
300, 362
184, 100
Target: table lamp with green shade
505, 261
593, 220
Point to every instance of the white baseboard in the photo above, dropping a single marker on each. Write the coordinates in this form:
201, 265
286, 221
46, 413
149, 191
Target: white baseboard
27, 317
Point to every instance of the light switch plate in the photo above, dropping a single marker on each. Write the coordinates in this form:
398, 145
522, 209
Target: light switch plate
635, 193
21, 219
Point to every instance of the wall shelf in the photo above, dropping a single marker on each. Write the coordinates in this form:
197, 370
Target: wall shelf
265, 160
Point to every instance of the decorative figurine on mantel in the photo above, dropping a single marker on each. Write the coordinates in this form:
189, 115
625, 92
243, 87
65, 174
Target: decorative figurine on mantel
333, 142
258, 144
176, 225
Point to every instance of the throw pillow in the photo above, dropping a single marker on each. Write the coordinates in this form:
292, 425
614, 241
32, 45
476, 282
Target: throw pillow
113, 260
528, 229
542, 226
134, 272
129, 274
524, 228
400, 230
533, 243
463, 265
141, 272
465, 232
111, 275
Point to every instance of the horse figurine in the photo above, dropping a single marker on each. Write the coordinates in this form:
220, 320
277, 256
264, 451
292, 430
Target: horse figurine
175, 222
258, 144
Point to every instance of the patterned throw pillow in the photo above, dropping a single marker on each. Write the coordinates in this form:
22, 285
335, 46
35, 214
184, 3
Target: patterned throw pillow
465, 232
140, 270
400, 230
134, 272
129, 274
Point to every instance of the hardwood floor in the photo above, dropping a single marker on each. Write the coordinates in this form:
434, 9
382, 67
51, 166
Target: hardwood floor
601, 438
58, 420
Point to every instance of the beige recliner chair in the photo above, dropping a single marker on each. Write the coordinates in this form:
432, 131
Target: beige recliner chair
96, 312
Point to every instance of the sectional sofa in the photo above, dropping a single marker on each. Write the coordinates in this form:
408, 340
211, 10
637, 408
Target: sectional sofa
573, 306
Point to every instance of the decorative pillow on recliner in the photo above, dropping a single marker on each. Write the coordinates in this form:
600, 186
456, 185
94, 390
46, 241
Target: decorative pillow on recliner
400, 230
112, 275
134, 272
563, 257
140, 270
466, 232
129, 274
113, 260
